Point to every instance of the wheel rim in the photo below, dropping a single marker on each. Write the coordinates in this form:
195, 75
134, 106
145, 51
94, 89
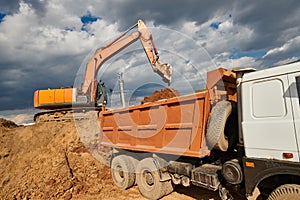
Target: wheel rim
118, 173
148, 180
148, 177
123, 171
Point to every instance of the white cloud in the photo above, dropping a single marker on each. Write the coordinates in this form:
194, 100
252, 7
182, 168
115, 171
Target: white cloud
103, 30
290, 45
226, 34
190, 28
44, 38
12, 39
60, 16
222, 60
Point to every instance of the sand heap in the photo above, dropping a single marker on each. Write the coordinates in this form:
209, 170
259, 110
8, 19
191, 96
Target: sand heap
49, 161
164, 93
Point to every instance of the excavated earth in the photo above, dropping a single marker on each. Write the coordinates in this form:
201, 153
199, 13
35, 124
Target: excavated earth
50, 161
63, 160
164, 93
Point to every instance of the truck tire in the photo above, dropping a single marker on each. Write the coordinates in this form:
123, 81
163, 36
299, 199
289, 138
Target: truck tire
148, 180
215, 135
123, 171
286, 192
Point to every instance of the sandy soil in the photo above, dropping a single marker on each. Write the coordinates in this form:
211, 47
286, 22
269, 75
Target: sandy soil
50, 161
164, 93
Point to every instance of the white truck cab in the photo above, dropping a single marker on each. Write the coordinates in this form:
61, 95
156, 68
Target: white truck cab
271, 114
270, 124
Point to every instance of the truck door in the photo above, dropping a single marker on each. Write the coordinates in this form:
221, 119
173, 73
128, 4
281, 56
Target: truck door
294, 81
268, 121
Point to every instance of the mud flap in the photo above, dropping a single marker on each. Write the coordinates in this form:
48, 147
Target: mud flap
161, 165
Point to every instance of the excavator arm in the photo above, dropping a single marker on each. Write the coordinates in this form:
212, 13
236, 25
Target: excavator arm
89, 85
58, 100
164, 69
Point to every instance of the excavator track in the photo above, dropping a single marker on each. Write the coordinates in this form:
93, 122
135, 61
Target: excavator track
67, 114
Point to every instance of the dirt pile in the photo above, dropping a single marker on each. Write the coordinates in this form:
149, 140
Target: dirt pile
7, 124
49, 161
164, 93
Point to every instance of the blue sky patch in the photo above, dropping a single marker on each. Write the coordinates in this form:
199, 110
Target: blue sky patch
88, 18
2, 15
215, 25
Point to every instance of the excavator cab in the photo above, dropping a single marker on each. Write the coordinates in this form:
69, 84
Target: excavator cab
101, 95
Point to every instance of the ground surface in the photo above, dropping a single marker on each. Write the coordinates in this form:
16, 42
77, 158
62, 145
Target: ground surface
50, 161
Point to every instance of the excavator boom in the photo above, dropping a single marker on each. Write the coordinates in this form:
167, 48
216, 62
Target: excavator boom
118, 44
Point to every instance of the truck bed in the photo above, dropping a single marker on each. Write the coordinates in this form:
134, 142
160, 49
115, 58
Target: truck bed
171, 126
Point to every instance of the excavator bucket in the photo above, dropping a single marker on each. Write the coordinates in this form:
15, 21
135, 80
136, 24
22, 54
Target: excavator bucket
164, 70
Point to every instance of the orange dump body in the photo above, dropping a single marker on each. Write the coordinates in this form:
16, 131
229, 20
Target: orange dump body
172, 126
53, 98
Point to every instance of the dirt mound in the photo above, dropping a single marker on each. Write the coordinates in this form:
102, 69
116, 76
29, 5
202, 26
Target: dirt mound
7, 124
62, 160
164, 93
49, 161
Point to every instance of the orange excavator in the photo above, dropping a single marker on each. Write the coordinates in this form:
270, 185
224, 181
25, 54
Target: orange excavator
63, 104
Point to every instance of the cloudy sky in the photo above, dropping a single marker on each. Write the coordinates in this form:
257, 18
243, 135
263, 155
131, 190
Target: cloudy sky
43, 43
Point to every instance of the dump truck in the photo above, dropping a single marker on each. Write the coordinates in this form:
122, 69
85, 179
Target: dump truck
69, 103
243, 130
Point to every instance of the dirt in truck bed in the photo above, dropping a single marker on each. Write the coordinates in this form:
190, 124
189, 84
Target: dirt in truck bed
50, 161
164, 93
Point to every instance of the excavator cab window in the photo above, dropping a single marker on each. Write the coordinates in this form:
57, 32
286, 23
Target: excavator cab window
101, 98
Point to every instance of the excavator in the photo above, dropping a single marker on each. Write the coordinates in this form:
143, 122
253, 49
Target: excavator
67, 104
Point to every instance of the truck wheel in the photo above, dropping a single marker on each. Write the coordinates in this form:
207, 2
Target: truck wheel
122, 171
148, 180
215, 136
286, 192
